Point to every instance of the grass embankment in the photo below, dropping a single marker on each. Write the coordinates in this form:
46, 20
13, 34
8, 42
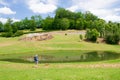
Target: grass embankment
59, 42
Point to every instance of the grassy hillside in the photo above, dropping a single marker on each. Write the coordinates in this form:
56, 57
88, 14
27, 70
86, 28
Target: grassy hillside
59, 42
13, 52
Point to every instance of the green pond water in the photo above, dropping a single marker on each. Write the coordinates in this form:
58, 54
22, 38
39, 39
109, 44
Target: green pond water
63, 57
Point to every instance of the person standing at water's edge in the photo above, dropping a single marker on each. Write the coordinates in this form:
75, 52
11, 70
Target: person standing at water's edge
36, 59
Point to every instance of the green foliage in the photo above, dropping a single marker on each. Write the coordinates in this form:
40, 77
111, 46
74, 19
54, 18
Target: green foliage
47, 23
14, 28
7, 34
8, 29
61, 24
89, 16
72, 24
113, 39
18, 33
92, 35
64, 24
99, 25
112, 33
62, 13
32, 25
81, 37
80, 24
38, 20
1, 27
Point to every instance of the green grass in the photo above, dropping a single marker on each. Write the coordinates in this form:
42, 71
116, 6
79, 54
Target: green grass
61, 74
12, 67
57, 71
59, 42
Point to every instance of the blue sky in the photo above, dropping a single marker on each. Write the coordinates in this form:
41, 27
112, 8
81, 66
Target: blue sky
19, 9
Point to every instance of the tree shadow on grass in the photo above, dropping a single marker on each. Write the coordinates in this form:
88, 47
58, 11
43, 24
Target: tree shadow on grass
16, 60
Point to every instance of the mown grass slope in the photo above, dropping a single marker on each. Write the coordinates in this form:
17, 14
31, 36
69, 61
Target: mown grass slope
12, 68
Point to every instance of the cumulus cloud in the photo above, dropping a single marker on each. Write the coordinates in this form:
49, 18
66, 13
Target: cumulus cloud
102, 8
3, 20
6, 10
42, 6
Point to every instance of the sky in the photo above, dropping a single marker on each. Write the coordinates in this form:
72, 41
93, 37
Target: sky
19, 9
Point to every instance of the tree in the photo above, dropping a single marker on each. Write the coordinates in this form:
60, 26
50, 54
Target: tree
1, 27
78, 15
38, 20
64, 24
56, 24
7, 25
32, 25
15, 27
112, 33
72, 24
62, 13
61, 24
47, 23
92, 34
99, 25
25, 23
89, 16
8, 29
80, 24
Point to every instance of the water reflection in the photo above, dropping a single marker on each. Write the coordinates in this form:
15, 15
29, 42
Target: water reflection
90, 56
81, 57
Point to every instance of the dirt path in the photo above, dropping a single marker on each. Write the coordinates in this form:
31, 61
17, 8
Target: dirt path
69, 32
115, 65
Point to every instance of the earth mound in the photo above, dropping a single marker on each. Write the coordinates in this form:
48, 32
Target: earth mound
37, 37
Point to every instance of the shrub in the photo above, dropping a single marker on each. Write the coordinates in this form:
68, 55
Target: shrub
81, 37
7, 34
92, 35
112, 39
18, 33
65, 34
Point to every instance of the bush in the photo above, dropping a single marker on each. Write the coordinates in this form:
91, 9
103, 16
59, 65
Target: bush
81, 37
65, 34
92, 35
7, 34
112, 39
18, 33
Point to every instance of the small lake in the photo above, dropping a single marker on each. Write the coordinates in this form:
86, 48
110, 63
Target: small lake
85, 57
75, 57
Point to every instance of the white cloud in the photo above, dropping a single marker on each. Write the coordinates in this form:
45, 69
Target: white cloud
73, 8
95, 4
114, 18
6, 10
102, 8
117, 9
15, 20
3, 3
3, 20
42, 6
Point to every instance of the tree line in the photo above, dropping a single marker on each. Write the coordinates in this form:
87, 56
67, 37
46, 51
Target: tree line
12, 29
65, 19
